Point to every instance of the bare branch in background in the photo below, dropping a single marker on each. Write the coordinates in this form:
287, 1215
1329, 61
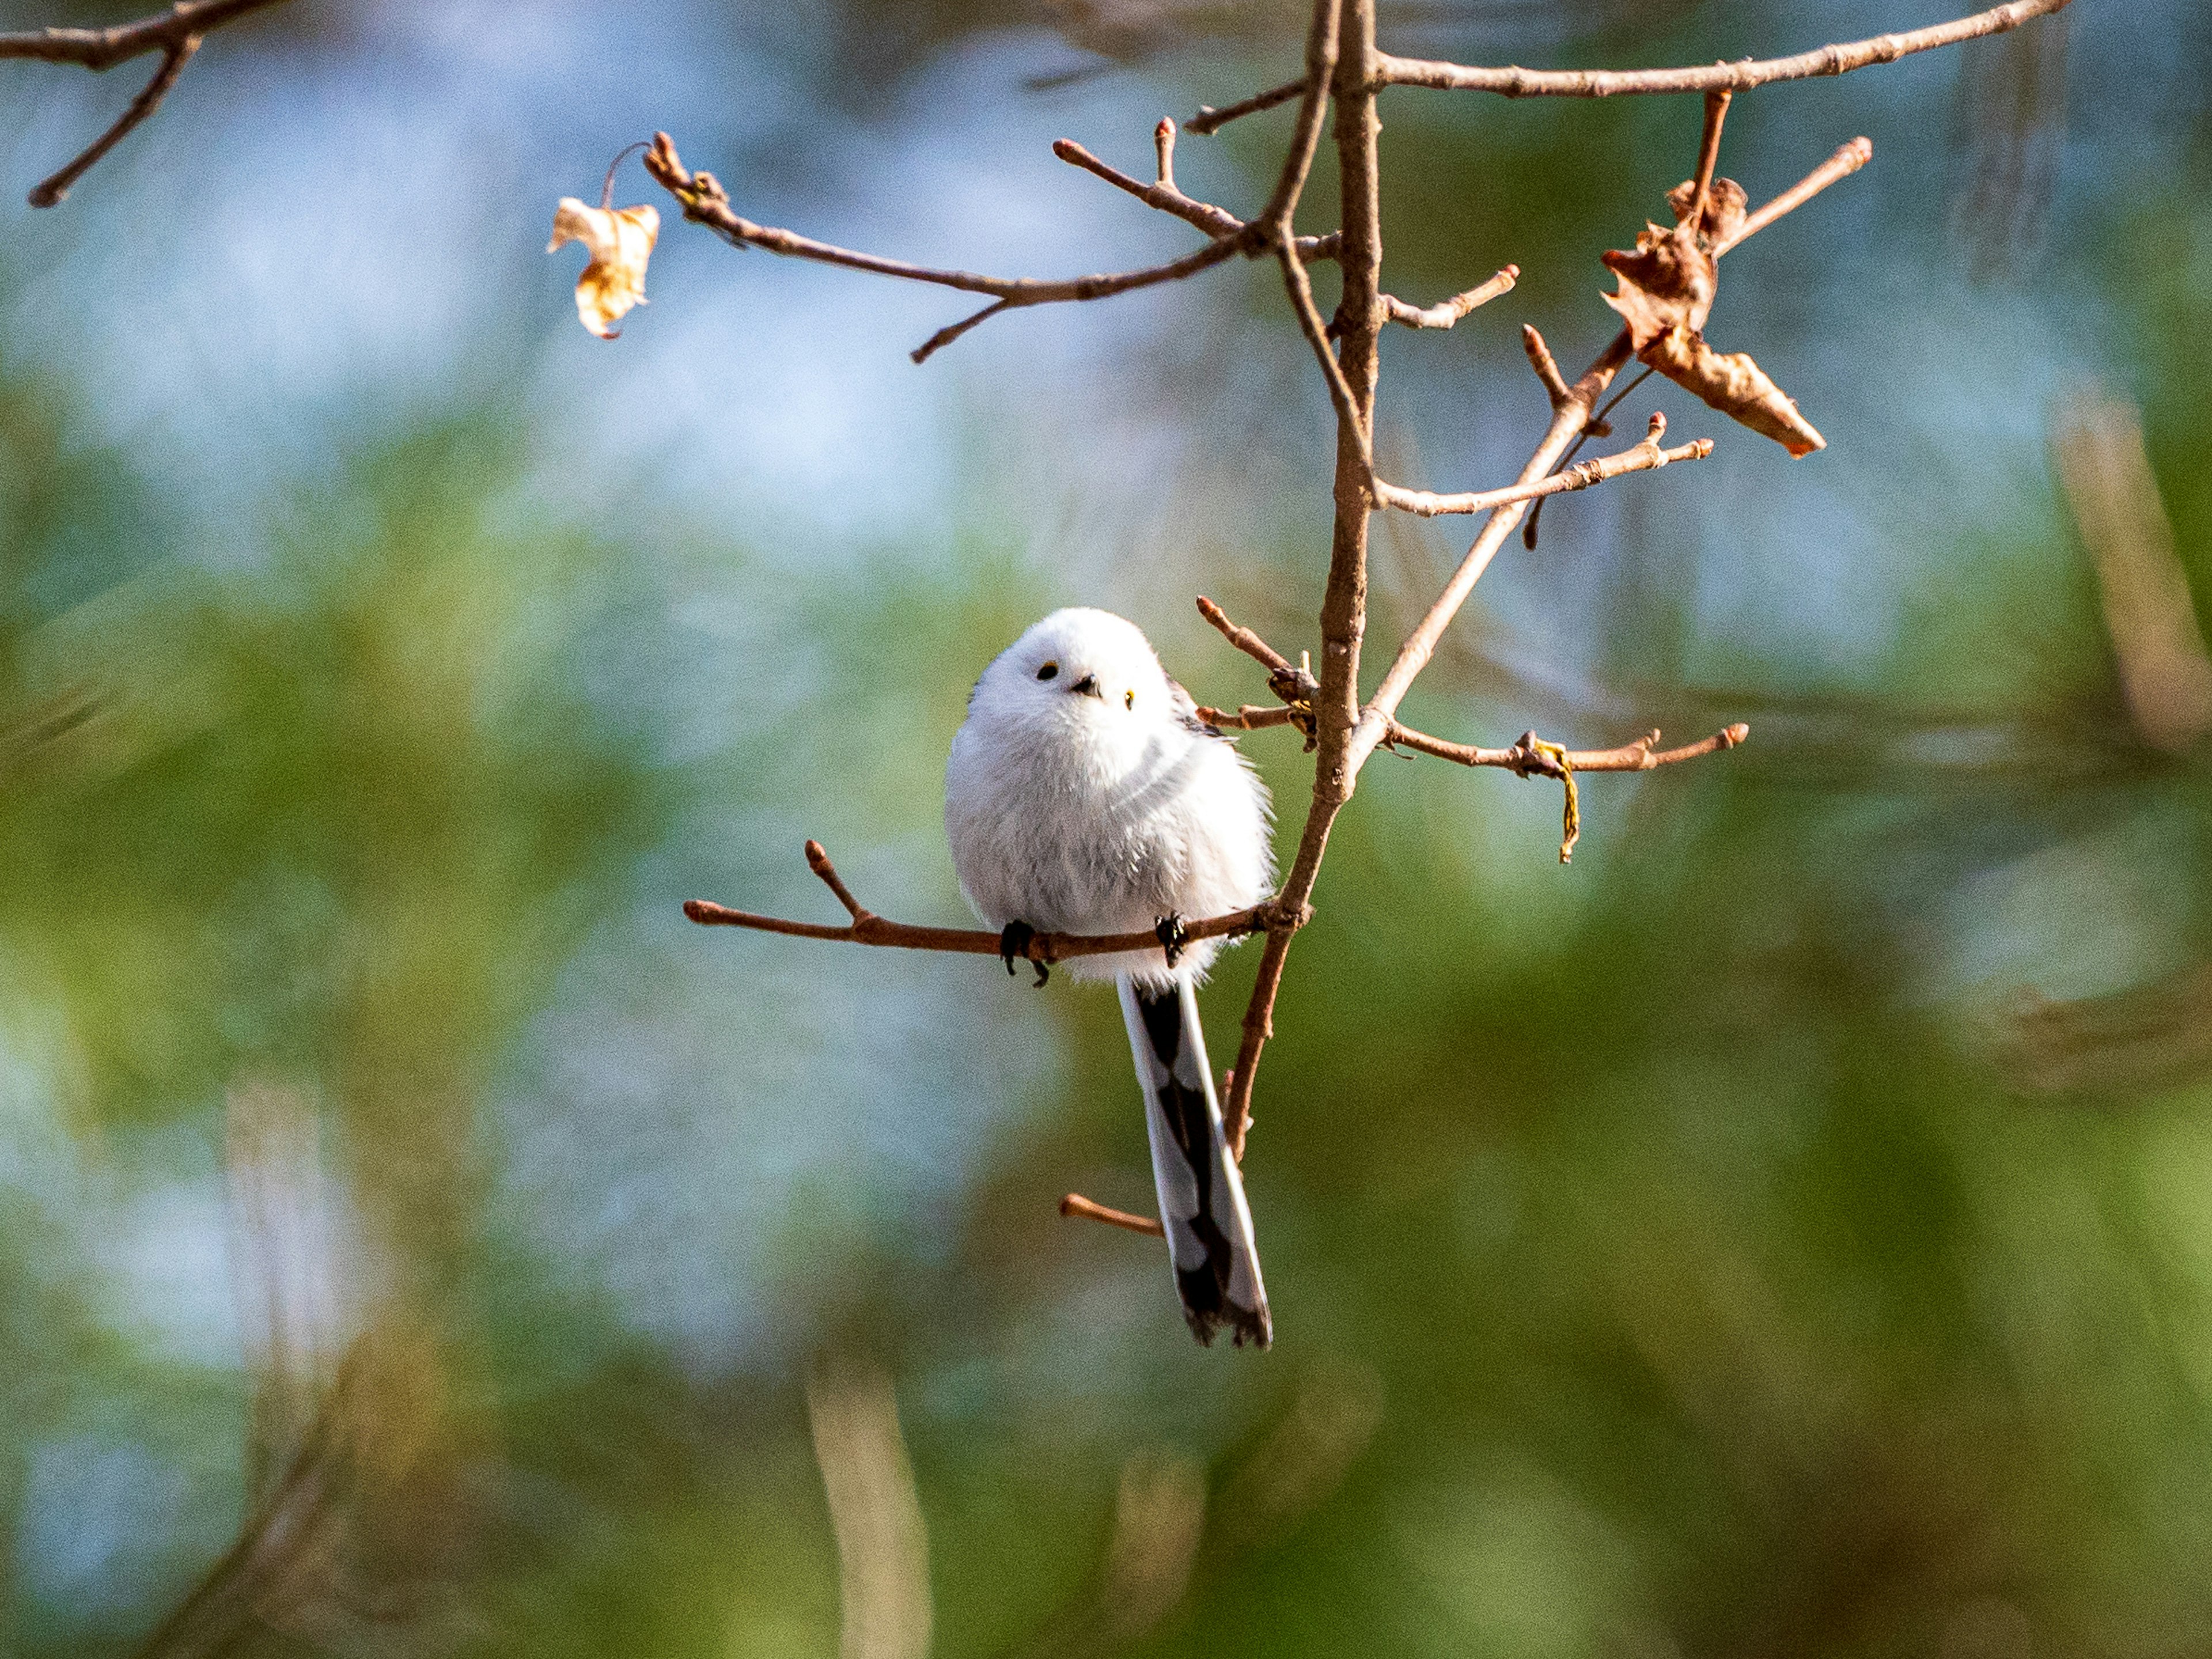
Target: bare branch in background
2009, 121
883, 1546
1174, 1526
1159, 1515
2164, 671
175, 33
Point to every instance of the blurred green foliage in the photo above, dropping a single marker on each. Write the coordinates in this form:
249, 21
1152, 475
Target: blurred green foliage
1696, 1251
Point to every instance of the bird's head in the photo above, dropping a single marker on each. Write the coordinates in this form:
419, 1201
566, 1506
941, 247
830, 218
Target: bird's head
1080, 665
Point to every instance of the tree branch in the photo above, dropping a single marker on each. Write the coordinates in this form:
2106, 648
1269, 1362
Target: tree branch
1250, 717
1335, 700
705, 202
1342, 68
1445, 312
1840, 59
51, 190
1210, 120
175, 33
868, 928
1848, 159
1643, 458
1077, 1206
1570, 414
1527, 757
1546, 365
103, 49
1215, 222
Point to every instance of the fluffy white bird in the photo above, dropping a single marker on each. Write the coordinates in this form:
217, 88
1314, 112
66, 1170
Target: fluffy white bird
1084, 795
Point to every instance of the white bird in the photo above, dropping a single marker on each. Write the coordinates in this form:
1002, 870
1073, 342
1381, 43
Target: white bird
1084, 795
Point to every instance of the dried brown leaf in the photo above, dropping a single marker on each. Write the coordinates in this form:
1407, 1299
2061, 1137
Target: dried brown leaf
1735, 386
1667, 287
1725, 206
1665, 284
620, 240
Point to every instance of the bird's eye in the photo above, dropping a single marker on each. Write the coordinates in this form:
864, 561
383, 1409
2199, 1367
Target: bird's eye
1050, 671
1129, 700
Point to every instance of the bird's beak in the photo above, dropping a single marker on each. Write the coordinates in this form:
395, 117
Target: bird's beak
1088, 687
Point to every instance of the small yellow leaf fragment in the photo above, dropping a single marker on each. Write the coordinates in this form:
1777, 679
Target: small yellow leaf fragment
620, 240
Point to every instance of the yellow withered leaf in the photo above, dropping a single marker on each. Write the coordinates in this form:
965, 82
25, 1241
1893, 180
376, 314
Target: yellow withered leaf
620, 240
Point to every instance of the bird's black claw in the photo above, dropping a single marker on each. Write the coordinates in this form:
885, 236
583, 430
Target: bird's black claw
1172, 935
1014, 939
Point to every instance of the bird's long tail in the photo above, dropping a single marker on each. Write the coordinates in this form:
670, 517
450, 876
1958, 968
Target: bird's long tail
1209, 1226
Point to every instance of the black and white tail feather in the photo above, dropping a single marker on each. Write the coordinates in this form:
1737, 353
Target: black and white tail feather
1201, 1195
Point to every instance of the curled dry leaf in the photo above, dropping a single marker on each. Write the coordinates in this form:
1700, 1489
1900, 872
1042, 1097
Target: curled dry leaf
1735, 385
620, 240
1667, 287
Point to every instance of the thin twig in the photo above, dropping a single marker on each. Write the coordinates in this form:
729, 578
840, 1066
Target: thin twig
868, 928
103, 49
1847, 159
1546, 365
1248, 717
1293, 684
1214, 221
1300, 289
50, 191
175, 33
1275, 219
1709, 156
1569, 418
1599, 425
951, 332
1526, 759
1335, 699
1524, 756
1642, 457
1076, 1205
1445, 312
1738, 76
705, 202
1210, 120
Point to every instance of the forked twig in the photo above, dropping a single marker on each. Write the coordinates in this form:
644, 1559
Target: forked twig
175, 33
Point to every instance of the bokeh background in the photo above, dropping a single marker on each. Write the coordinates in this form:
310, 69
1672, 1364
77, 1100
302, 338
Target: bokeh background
1788, 1230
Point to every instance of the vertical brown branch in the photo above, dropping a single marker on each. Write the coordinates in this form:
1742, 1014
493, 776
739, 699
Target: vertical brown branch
1709, 152
1344, 605
1568, 420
